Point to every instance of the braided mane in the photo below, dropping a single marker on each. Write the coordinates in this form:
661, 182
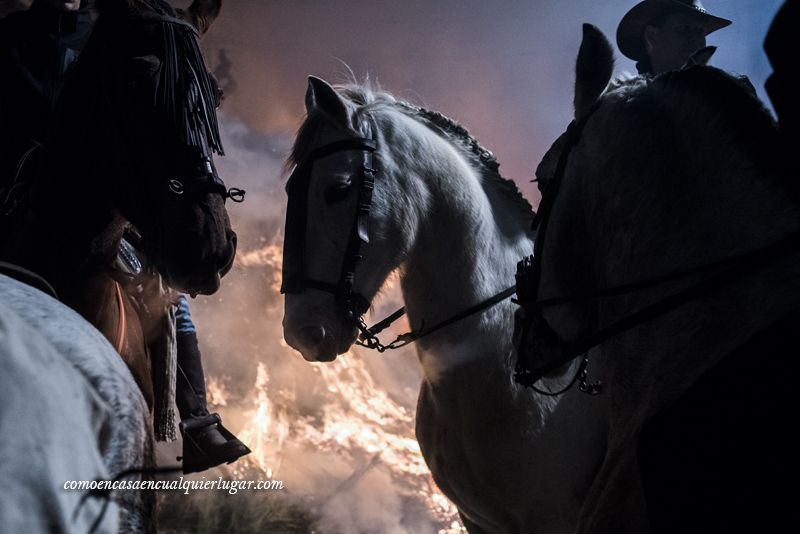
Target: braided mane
370, 100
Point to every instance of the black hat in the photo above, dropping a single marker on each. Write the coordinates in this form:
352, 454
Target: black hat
631, 30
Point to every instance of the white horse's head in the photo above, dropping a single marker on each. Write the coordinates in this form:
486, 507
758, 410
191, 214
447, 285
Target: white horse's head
343, 238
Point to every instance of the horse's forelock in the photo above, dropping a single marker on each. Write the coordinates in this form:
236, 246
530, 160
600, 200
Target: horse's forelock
363, 96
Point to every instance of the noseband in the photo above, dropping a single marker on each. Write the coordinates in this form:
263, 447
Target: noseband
205, 180
295, 277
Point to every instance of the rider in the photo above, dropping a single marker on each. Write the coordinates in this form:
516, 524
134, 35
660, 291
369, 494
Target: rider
661, 35
37, 47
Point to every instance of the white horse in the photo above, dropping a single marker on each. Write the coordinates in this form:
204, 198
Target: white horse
510, 459
69, 411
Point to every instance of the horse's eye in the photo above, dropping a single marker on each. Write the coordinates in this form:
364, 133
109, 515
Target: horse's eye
336, 193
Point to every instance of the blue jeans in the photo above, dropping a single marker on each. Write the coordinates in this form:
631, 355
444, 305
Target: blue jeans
183, 318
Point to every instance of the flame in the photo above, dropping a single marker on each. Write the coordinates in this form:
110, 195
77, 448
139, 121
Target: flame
270, 256
216, 392
268, 427
360, 421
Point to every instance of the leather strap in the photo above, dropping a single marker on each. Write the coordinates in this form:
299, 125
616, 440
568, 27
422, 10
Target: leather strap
122, 324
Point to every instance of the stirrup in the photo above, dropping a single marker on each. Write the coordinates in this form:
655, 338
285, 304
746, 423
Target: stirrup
202, 449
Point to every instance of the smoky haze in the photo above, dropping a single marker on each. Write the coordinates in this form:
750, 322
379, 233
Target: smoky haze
502, 68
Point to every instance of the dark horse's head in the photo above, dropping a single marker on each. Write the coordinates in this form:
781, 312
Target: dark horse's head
140, 110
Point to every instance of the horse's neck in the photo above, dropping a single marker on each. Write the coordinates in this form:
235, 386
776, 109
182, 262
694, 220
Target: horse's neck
462, 255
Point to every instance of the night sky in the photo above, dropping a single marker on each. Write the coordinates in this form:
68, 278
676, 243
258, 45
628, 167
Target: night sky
502, 68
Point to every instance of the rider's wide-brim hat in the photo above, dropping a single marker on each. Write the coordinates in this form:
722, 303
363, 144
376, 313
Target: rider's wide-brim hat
630, 33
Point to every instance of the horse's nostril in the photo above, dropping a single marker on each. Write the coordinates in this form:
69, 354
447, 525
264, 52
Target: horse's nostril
313, 336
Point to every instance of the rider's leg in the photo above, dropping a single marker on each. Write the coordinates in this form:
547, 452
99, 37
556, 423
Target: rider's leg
206, 442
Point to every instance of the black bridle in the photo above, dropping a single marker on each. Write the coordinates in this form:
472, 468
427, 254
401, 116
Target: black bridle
204, 180
184, 74
295, 277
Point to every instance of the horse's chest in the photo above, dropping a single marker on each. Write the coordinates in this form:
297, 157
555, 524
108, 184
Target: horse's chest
472, 457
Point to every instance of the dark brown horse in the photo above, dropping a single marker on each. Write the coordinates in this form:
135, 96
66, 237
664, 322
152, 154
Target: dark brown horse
132, 145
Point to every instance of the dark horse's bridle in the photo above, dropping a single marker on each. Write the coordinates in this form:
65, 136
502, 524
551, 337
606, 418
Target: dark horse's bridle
183, 62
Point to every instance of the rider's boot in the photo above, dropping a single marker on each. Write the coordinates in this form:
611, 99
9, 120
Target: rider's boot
206, 443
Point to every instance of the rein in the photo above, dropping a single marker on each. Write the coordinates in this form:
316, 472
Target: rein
735, 268
369, 336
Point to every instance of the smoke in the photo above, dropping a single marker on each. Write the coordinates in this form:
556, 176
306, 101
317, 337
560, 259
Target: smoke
504, 70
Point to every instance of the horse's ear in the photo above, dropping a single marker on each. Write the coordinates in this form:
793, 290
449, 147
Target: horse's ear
320, 96
701, 57
201, 14
593, 69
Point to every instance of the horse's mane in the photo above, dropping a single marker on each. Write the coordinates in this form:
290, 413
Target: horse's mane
369, 100
723, 106
728, 98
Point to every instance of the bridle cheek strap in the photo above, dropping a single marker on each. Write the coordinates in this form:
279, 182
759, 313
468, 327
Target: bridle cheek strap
295, 277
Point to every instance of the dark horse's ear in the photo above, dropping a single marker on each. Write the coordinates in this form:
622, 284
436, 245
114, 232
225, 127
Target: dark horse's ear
201, 14
320, 96
701, 57
592, 70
